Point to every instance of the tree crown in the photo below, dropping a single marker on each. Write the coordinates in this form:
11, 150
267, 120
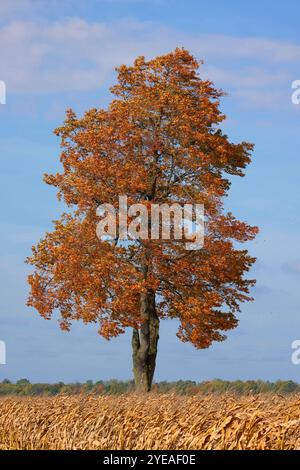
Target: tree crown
159, 141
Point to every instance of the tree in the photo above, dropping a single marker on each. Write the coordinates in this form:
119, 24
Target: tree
159, 142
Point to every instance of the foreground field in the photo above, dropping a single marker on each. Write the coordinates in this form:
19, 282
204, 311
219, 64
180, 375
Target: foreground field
152, 422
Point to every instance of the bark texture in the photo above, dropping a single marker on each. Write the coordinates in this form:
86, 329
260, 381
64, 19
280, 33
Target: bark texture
144, 344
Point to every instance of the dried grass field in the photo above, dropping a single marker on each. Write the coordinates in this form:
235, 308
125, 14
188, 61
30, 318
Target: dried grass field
151, 422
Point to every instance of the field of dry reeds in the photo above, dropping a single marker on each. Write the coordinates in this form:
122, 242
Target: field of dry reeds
152, 422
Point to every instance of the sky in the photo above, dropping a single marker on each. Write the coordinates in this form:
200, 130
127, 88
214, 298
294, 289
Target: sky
60, 54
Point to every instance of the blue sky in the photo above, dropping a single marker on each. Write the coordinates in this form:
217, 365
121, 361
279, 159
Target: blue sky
59, 54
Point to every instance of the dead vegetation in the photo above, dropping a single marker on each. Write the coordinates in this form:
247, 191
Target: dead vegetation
150, 422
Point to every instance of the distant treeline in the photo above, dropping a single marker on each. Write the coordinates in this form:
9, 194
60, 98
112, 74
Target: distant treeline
115, 387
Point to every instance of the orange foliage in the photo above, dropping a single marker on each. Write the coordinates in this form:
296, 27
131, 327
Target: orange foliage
158, 141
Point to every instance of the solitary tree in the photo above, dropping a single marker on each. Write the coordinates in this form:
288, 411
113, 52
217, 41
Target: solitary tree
158, 142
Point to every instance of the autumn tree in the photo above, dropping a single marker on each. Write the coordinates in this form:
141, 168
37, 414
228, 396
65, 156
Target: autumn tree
159, 142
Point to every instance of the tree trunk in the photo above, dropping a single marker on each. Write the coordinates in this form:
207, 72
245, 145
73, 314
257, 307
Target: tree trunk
144, 344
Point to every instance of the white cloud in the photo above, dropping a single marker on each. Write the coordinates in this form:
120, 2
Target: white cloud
246, 76
69, 55
8, 8
262, 49
77, 55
